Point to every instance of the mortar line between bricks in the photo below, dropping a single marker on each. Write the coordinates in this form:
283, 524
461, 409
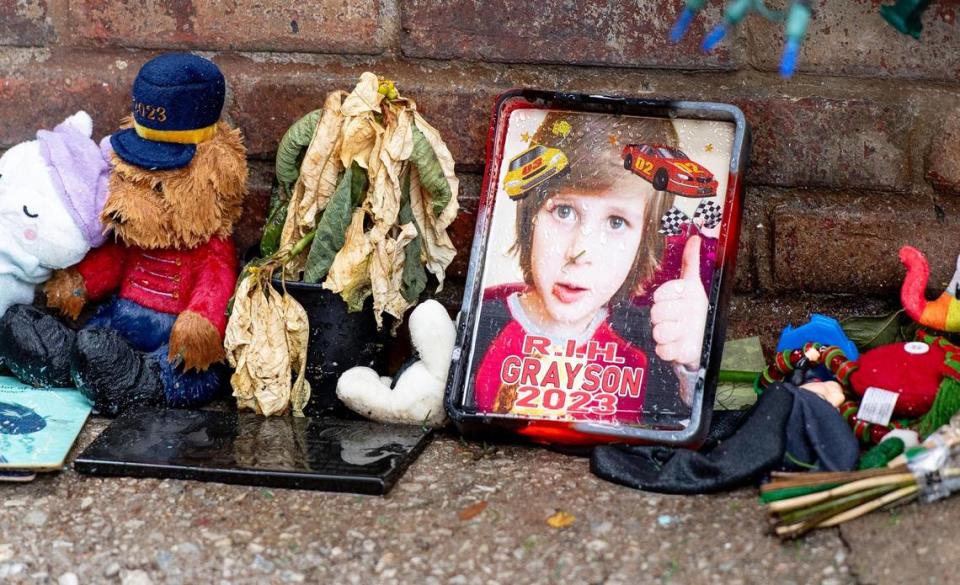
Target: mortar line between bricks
16, 45
799, 81
811, 77
796, 190
741, 67
390, 33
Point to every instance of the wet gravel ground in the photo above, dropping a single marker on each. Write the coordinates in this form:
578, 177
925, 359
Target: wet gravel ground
464, 513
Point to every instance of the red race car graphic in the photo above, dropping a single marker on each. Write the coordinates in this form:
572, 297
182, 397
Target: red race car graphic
669, 169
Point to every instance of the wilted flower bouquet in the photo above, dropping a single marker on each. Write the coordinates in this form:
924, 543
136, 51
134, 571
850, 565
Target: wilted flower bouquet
365, 193
801, 502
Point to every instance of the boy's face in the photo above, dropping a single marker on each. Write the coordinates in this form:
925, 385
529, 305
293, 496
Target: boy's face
584, 247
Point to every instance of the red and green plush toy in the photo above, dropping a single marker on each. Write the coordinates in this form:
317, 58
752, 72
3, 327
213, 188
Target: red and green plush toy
912, 370
920, 378
924, 373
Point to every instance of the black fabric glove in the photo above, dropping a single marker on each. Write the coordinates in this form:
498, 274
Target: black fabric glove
818, 439
784, 420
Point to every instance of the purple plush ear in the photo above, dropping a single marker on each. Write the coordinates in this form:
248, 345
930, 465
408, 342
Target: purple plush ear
106, 148
79, 172
81, 122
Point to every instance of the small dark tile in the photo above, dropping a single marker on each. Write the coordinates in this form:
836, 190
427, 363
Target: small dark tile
308, 453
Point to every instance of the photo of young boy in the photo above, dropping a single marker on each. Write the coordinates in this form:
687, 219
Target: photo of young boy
581, 336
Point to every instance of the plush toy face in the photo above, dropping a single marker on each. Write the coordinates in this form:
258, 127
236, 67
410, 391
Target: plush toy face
33, 220
180, 208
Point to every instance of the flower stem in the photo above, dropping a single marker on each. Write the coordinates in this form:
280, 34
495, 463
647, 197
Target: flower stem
301, 246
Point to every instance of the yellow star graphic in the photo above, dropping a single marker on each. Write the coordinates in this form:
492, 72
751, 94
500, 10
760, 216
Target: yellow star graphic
561, 128
525, 137
709, 147
612, 139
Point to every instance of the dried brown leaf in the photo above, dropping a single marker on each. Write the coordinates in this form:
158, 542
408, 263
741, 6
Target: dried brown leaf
349, 274
364, 97
386, 275
448, 165
438, 250
561, 519
298, 336
239, 336
318, 178
270, 353
266, 330
472, 511
385, 196
362, 137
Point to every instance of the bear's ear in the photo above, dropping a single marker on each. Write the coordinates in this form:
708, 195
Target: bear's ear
81, 122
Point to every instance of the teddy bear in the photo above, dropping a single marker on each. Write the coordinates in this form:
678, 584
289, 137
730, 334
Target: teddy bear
51, 192
415, 394
161, 284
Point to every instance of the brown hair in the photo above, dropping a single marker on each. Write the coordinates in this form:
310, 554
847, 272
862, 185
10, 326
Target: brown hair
593, 144
180, 208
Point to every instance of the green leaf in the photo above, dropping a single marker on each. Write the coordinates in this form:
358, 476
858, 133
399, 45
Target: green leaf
332, 228
414, 274
277, 196
908, 330
431, 173
356, 298
357, 291
291, 149
873, 331
358, 186
270, 242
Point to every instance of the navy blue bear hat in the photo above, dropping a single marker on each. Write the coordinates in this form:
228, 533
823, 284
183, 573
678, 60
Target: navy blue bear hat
177, 100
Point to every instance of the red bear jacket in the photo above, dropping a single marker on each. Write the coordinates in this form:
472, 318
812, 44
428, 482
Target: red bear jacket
171, 281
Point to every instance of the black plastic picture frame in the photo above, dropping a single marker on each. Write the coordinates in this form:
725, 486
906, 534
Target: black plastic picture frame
460, 403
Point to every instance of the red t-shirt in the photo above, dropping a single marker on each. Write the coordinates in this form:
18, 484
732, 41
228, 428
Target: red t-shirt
599, 376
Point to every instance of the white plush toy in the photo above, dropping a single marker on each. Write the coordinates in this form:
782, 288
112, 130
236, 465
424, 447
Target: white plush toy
417, 397
52, 190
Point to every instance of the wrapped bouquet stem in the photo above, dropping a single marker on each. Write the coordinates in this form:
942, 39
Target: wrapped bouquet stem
799, 503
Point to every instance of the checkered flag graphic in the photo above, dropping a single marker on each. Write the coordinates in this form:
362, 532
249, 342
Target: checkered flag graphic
709, 213
671, 224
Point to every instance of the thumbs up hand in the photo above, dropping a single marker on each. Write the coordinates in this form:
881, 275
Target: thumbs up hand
679, 312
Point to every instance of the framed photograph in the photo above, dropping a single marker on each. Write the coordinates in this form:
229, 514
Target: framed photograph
603, 256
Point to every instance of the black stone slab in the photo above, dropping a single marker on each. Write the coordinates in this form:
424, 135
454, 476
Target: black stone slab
327, 454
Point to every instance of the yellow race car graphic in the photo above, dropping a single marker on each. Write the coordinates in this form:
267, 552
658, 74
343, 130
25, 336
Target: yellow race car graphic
531, 168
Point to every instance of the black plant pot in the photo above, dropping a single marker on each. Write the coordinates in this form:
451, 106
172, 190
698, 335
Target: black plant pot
339, 340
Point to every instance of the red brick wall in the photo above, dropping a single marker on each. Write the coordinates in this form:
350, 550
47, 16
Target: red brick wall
856, 155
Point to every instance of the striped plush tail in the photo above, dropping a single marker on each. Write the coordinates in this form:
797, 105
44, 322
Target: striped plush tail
942, 314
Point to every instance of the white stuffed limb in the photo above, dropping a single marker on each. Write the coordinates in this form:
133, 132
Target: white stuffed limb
417, 397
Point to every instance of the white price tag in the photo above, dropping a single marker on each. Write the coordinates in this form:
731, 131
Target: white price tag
877, 406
